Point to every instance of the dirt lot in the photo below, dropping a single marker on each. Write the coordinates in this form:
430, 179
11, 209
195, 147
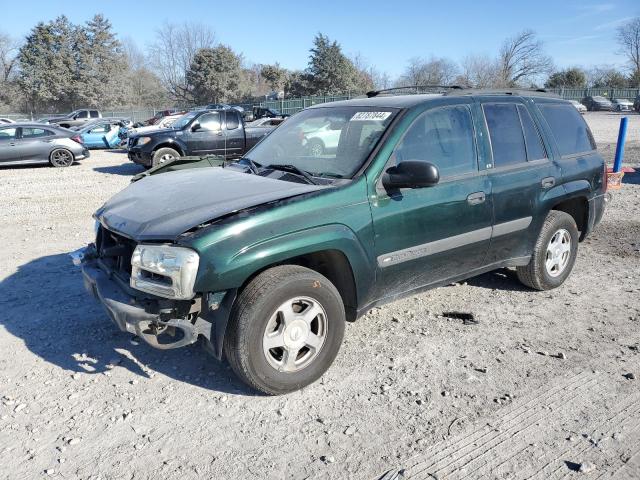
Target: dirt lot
536, 389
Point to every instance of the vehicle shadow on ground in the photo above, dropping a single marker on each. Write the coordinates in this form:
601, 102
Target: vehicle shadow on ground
126, 169
44, 304
501, 279
632, 178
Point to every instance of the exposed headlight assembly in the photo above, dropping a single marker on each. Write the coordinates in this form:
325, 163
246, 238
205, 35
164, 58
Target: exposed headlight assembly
143, 141
164, 270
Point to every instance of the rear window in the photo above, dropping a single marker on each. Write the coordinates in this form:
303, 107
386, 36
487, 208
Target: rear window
507, 139
233, 120
35, 132
570, 131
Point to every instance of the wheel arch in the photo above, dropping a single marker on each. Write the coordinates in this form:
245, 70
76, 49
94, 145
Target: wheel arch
167, 144
578, 208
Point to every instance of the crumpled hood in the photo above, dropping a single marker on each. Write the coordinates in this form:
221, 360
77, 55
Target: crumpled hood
161, 207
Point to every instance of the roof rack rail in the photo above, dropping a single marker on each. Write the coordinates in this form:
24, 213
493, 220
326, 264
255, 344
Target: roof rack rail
506, 91
415, 88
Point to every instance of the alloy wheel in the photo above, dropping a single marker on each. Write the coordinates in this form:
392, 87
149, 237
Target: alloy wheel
295, 334
558, 253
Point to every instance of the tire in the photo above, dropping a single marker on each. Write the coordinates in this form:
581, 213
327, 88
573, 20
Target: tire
549, 268
61, 157
316, 148
163, 155
257, 319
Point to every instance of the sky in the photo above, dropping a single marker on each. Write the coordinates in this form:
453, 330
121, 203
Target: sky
385, 33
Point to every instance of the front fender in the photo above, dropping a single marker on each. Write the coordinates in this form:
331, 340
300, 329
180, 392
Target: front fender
224, 271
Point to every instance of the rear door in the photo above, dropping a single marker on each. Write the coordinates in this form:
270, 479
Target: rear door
234, 135
520, 173
8, 147
35, 143
427, 235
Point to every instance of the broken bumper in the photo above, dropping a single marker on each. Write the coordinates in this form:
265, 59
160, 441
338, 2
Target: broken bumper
139, 317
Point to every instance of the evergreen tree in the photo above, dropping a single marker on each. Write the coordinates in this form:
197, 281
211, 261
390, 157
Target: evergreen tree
101, 65
330, 70
48, 64
570, 78
215, 75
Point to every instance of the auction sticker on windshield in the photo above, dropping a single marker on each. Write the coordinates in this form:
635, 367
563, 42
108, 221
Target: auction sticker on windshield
377, 116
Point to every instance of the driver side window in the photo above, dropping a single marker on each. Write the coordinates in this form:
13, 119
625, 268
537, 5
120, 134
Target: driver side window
443, 136
209, 121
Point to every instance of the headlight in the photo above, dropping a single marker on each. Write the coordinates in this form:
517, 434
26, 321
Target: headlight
164, 270
143, 141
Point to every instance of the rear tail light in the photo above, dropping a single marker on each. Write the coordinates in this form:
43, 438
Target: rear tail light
605, 178
77, 138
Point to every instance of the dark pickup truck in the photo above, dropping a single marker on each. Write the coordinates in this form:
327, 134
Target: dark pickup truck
197, 133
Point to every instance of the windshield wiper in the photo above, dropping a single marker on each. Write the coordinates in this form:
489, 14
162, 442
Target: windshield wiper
253, 166
293, 169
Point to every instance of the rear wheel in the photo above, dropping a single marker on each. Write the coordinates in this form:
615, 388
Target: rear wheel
163, 155
554, 253
285, 330
61, 157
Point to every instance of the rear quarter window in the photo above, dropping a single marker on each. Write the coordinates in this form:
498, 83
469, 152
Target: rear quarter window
570, 131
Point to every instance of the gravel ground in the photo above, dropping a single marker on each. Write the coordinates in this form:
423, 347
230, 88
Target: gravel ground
544, 386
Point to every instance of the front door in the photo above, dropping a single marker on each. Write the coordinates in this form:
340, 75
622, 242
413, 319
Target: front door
424, 236
521, 174
234, 134
208, 138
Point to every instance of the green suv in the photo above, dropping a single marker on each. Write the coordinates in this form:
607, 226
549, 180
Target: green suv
265, 259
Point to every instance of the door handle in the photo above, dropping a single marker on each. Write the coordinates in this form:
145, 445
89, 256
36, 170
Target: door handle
219, 133
548, 182
476, 198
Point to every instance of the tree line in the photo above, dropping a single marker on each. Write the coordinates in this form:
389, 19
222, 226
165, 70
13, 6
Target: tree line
61, 66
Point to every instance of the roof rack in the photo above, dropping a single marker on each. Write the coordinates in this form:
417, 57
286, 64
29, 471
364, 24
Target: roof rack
414, 89
505, 91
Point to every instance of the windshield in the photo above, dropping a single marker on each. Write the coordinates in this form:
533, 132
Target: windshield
328, 141
184, 120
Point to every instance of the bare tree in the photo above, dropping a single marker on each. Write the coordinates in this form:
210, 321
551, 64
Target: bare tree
8, 57
435, 71
522, 58
479, 71
629, 41
173, 51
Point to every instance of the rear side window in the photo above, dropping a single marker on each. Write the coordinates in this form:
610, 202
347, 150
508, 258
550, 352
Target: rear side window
82, 114
94, 114
35, 132
571, 133
233, 120
507, 140
442, 136
535, 149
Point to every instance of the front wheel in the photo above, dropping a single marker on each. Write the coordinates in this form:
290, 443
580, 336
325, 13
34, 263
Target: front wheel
285, 330
554, 253
163, 155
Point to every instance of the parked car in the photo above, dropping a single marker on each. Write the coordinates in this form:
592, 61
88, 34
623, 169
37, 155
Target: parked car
622, 105
266, 122
165, 122
106, 133
263, 112
75, 118
6, 120
201, 132
636, 104
266, 258
597, 103
157, 118
578, 106
27, 143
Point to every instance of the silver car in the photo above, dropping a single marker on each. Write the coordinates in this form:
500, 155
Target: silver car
27, 143
622, 105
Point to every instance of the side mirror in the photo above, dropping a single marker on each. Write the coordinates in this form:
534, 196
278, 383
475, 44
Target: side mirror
411, 174
195, 127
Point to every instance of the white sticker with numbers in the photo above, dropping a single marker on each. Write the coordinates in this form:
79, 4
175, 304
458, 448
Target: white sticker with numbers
369, 116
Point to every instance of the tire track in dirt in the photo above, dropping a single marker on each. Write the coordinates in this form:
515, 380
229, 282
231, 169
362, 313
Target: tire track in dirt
543, 406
